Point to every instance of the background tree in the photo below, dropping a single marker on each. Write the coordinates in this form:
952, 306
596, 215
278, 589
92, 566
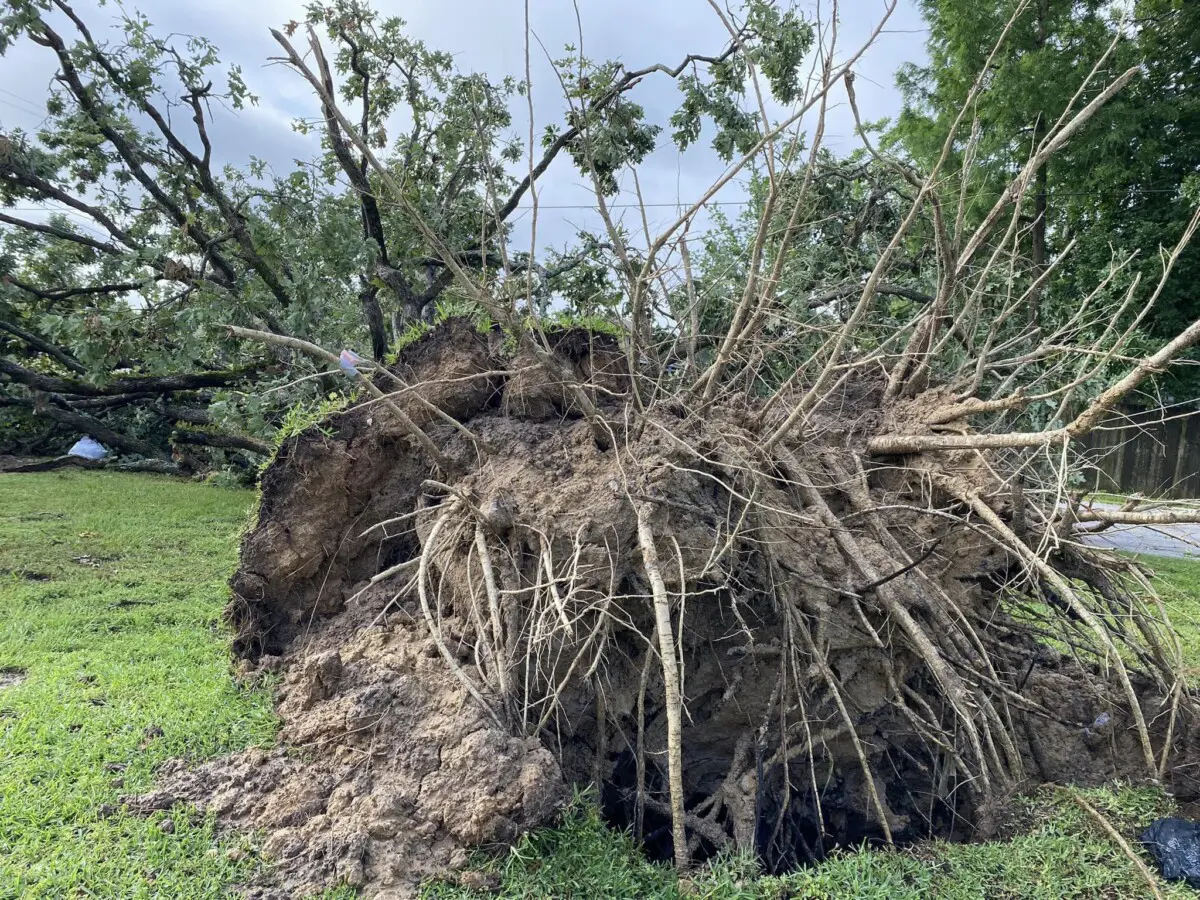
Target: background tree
1117, 185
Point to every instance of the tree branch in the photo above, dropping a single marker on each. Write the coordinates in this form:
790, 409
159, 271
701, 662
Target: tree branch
147, 384
134, 159
1138, 517
156, 466
223, 441
67, 293
61, 233
44, 346
48, 406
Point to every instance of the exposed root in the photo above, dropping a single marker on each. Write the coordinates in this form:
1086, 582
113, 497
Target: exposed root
1098, 818
779, 652
672, 698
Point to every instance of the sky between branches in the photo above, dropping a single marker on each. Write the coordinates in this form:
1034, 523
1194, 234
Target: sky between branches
489, 36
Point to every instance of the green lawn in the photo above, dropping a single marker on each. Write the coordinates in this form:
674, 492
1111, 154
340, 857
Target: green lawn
1178, 581
111, 589
110, 595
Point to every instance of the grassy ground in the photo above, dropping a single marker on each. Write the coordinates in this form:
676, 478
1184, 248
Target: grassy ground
1059, 853
1178, 581
110, 593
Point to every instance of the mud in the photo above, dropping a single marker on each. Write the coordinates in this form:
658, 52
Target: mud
387, 773
813, 719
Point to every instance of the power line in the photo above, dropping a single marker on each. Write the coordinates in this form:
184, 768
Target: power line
673, 205
541, 206
19, 109
31, 107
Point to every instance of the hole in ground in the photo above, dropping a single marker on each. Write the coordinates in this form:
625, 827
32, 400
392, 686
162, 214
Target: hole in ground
11, 677
787, 822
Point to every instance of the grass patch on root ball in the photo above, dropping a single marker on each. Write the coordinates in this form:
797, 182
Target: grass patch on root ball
126, 665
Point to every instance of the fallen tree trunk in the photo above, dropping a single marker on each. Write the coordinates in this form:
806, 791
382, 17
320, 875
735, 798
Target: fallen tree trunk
134, 384
155, 466
223, 441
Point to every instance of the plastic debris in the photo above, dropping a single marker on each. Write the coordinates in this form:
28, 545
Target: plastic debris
1175, 845
87, 448
348, 360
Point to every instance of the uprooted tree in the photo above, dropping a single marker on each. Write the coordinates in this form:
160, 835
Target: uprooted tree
782, 572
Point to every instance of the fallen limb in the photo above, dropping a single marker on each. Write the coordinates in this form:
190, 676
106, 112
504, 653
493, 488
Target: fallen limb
1139, 517
156, 466
220, 440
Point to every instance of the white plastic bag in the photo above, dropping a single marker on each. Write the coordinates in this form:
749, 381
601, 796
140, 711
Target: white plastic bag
88, 449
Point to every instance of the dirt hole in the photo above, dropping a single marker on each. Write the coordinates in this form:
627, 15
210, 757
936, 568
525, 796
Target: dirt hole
791, 830
11, 677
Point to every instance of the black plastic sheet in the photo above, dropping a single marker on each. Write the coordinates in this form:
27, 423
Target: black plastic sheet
1175, 845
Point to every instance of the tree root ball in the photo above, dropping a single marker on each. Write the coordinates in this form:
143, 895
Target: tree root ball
857, 654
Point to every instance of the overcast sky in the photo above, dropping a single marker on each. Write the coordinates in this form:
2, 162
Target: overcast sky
488, 36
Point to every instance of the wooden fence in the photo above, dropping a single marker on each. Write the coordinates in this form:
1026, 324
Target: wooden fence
1137, 450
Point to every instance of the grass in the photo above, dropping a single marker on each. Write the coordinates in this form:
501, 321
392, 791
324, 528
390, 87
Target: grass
1178, 581
110, 593
1058, 853
111, 589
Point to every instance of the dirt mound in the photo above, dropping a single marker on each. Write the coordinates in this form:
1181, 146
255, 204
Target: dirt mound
793, 648
389, 770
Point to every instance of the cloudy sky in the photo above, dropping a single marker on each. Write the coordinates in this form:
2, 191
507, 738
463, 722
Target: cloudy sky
488, 36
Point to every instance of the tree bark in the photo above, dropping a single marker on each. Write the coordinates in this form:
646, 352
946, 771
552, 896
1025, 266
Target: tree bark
373, 313
221, 441
157, 466
136, 384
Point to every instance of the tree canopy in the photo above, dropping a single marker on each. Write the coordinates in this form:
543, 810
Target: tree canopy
163, 247
1118, 188
127, 250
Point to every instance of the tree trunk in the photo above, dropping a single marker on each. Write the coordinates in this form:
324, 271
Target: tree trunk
373, 313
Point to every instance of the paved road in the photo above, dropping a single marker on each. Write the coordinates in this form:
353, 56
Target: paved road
1181, 541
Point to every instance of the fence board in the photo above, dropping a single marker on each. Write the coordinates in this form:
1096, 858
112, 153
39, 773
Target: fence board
1135, 450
